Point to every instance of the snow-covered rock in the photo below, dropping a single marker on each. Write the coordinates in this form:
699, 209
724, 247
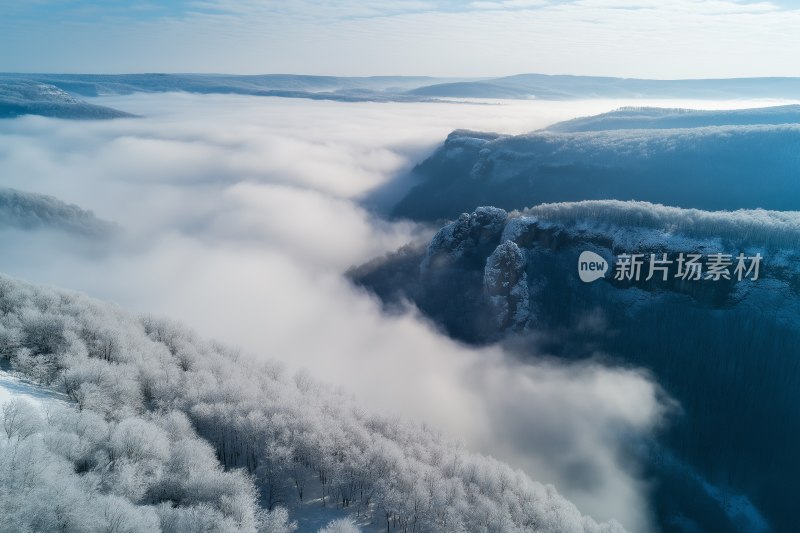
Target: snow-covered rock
470, 232
506, 284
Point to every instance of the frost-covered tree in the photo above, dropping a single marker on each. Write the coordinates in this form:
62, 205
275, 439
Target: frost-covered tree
276, 521
342, 525
166, 431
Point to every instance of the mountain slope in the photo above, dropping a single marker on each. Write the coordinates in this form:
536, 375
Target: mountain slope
363, 89
186, 433
727, 350
419, 88
108, 84
26, 210
560, 87
26, 97
708, 167
634, 118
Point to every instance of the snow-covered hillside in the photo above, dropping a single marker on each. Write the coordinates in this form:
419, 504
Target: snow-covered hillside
630, 118
14, 386
167, 431
29, 97
706, 160
27, 211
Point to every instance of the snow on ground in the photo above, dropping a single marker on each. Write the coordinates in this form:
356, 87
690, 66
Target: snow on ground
311, 516
13, 385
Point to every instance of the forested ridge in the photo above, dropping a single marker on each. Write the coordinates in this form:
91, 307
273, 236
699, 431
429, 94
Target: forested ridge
167, 431
726, 351
704, 167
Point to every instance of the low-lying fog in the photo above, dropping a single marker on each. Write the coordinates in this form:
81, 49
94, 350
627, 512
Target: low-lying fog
239, 217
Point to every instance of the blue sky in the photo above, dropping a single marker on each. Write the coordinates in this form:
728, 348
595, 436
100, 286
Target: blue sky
644, 38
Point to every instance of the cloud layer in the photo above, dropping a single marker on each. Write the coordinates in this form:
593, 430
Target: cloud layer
240, 216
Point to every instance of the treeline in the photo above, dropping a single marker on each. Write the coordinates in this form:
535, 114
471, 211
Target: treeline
773, 229
195, 436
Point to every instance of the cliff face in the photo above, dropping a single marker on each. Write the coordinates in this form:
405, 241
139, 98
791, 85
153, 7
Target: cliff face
727, 349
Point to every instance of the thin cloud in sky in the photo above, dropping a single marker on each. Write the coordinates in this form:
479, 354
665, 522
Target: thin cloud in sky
684, 38
509, 4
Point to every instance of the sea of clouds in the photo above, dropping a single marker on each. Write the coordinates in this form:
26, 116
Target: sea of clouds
240, 215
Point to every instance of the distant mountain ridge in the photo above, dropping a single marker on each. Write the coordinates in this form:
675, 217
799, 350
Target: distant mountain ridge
632, 118
417, 88
107, 84
566, 87
355, 89
31, 97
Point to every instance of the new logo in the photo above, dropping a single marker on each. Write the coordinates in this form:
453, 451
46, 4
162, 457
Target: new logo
591, 266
